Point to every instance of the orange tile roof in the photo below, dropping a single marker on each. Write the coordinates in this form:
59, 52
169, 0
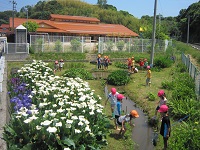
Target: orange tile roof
67, 17
5, 26
78, 28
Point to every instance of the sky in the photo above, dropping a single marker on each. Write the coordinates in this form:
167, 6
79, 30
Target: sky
137, 8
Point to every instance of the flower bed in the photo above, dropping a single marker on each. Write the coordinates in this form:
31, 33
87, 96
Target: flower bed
51, 112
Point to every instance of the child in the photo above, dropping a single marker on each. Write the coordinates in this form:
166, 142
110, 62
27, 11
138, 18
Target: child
141, 63
61, 64
162, 101
102, 63
118, 109
165, 125
99, 61
112, 96
126, 118
132, 64
56, 66
129, 62
106, 62
148, 75
145, 63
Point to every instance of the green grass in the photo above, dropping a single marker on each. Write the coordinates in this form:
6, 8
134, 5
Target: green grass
135, 89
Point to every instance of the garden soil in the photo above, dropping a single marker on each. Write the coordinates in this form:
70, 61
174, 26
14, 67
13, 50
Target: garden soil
4, 117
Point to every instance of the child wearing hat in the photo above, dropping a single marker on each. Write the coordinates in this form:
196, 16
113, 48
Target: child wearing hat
165, 128
56, 66
126, 118
118, 109
112, 97
148, 75
162, 101
61, 64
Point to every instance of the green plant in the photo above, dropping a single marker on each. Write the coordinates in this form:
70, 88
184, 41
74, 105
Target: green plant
58, 46
75, 44
121, 65
109, 45
167, 85
39, 44
151, 97
78, 72
118, 77
185, 136
162, 62
52, 112
31, 50
120, 45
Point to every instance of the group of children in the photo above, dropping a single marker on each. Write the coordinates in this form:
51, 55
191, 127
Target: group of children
58, 65
143, 65
116, 108
116, 99
162, 107
102, 62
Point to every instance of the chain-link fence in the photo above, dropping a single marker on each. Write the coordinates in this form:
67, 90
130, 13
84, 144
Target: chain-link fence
48, 43
16, 48
131, 45
193, 71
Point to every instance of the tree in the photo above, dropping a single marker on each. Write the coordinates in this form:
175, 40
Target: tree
31, 26
102, 3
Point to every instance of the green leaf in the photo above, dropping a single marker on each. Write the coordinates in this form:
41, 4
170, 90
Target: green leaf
69, 142
27, 147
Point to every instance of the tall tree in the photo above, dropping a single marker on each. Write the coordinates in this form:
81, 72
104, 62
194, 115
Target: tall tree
102, 3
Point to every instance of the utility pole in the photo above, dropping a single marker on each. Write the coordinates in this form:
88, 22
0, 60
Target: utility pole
27, 19
153, 34
13, 13
159, 21
188, 30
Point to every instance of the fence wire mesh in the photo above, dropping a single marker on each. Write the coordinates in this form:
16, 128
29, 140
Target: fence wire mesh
193, 72
131, 45
48, 43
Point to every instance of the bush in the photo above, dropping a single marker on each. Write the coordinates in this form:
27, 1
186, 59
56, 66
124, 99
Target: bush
119, 77
151, 97
185, 136
162, 62
167, 85
58, 46
78, 72
76, 44
121, 65
120, 45
109, 45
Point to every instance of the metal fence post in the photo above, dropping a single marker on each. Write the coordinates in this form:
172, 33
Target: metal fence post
63, 43
82, 43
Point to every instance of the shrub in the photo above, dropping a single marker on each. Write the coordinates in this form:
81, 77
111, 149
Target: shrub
109, 45
184, 87
151, 97
78, 72
185, 136
121, 65
181, 68
120, 45
167, 85
58, 46
76, 44
118, 77
162, 62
